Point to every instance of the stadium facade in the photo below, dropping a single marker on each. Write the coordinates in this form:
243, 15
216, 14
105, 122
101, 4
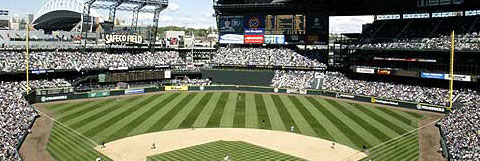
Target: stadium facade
59, 15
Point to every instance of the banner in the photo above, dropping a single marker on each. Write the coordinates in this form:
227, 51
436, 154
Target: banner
98, 94
365, 70
253, 39
340, 95
231, 39
176, 88
134, 91
275, 39
231, 24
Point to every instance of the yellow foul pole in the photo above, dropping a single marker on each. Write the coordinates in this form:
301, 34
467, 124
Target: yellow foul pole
27, 56
452, 53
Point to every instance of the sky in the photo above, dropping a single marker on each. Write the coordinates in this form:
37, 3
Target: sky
185, 13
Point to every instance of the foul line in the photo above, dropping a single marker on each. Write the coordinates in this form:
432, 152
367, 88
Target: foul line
74, 131
398, 137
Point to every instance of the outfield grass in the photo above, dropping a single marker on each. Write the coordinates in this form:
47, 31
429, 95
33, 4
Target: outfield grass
350, 124
237, 150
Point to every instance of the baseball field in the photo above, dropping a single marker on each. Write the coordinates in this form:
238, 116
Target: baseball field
81, 126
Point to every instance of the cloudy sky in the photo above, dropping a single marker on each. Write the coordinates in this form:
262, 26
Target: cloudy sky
190, 13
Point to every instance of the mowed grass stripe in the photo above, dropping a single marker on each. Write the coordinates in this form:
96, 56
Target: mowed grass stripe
84, 110
58, 110
397, 116
320, 130
284, 114
175, 122
206, 113
391, 149
387, 148
217, 114
380, 119
70, 144
250, 111
360, 121
111, 132
414, 114
66, 151
160, 124
229, 111
124, 131
303, 127
195, 113
99, 128
262, 115
337, 134
98, 114
411, 150
162, 110
352, 135
239, 120
274, 116
79, 147
75, 109
358, 129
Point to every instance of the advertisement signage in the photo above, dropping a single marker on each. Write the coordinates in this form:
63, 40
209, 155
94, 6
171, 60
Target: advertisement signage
365, 70
464, 78
231, 39
384, 72
430, 108
296, 39
254, 32
253, 39
385, 102
134, 91
53, 98
254, 22
231, 24
176, 88
98, 94
432, 75
275, 39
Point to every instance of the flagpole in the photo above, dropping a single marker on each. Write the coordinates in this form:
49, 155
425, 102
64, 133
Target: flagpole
452, 53
27, 56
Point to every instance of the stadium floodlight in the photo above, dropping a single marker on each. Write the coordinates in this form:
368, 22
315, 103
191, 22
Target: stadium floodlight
117, 5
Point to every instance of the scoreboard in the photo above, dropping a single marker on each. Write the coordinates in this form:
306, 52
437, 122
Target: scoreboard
132, 76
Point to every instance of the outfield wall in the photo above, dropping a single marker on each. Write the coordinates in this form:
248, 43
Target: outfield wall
368, 99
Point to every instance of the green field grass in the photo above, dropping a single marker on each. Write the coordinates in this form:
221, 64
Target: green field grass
350, 124
237, 150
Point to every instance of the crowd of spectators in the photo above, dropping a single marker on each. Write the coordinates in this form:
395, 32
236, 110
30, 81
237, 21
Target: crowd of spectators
461, 129
266, 56
15, 61
16, 114
467, 42
293, 79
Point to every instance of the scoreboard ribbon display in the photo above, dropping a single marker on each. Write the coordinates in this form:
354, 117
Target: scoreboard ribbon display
254, 39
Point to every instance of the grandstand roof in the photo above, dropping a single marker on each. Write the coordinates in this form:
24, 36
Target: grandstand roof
340, 7
58, 15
